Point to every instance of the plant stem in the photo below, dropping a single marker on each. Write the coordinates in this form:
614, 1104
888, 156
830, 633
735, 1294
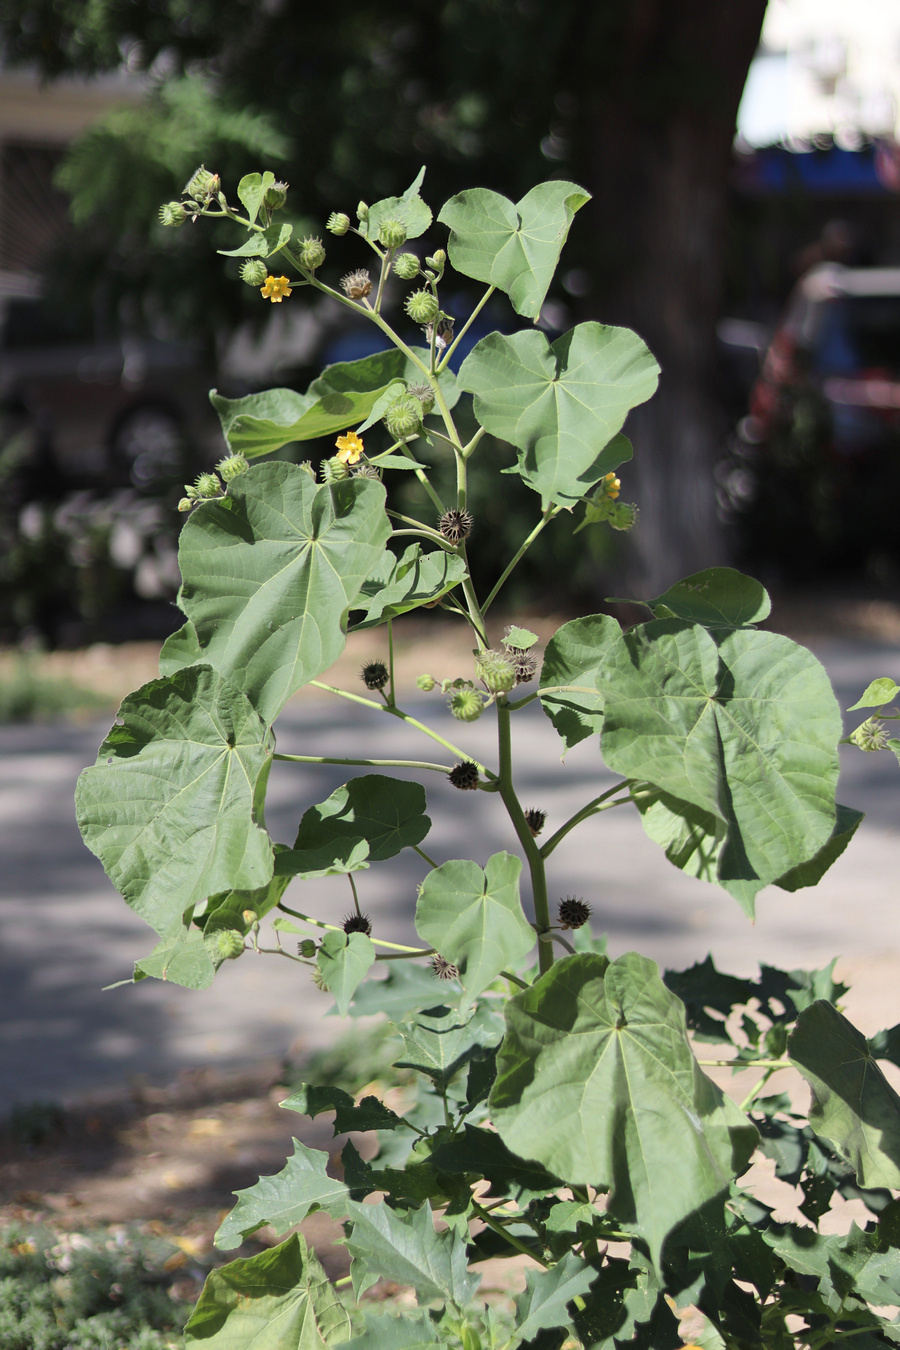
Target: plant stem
424, 480
336, 928
369, 763
422, 854
772, 1064
755, 1090
514, 979
526, 839
419, 525
491, 1222
466, 326
355, 896
469, 450
402, 956
390, 630
591, 809
545, 519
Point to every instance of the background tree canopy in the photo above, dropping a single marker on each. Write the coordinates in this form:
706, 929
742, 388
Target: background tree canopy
634, 99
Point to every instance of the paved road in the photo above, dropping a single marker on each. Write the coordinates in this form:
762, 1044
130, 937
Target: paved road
66, 934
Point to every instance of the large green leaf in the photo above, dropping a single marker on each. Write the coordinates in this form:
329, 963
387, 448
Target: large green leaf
854, 1108
577, 656
409, 209
171, 808
474, 918
369, 1114
344, 960
716, 596
271, 571
560, 404
409, 1331
543, 1304
401, 584
596, 1080
483, 1153
279, 1300
300, 1188
182, 957
407, 986
405, 1248
440, 1041
513, 246
385, 814
251, 190
380, 370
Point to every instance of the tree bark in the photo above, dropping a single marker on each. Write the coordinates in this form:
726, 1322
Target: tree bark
662, 128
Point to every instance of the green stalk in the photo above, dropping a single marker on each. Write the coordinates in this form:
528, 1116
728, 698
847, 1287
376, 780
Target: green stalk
465, 328
526, 839
390, 628
367, 763
508, 1237
545, 519
591, 809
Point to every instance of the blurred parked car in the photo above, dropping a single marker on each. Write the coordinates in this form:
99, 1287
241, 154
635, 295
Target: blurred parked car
814, 469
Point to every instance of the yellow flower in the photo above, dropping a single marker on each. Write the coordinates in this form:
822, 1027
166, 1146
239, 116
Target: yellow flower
350, 447
611, 485
275, 289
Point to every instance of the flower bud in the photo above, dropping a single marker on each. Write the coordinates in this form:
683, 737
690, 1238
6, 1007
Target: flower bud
312, 253
254, 272
392, 233
208, 486
362, 213
437, 261
337, 223
496, 670
466, 705
275, 196
202, 185
232, 467
406, 266
185, 504
334, 470
250, 917
403, 416
229, 943
422, 307
173, 213
425, 682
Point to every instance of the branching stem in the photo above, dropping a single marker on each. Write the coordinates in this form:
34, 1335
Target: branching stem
526, 839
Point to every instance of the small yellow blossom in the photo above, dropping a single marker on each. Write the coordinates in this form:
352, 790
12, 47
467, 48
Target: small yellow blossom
611, 485
350, 447
275, 289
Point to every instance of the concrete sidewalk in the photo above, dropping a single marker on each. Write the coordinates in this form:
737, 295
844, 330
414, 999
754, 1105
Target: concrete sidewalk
66, 933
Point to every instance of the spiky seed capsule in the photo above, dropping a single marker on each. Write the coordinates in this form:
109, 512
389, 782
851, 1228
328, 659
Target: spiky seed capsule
374, 675
229, 943
254, 272
573, 912
622, 515
425, 394
337, 223
357, 285
466, 705
306, 948
232, 467
465, 776
185, 504
444, 970
392, 233
524, 664
202, 185
358, 923
406, 266
422, 307
870, 735
496, 670
426, 683
366, 471
535, 820
208, 486
311, 252
403, 416
334, 470
275, 196
456, 525
173, 213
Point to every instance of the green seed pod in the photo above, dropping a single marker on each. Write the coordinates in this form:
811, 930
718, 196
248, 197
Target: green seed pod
334, 470
208, 486
337, 223
229, 943
466, 705
173, 213
254, 272
306, 948
362, 213
232, 467
426, 683
185, 504
392, 233
312, 253
622, 515
275, 196
496, 670
406, 266
403, 416
870, 735
202, 185
425, 394
422, 307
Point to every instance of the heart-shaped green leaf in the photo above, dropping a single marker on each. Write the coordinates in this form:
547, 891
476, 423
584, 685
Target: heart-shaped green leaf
279, 1300
172, 804
409, 210
514, 247
560, 404
573, 668
398, 585
474, 918
879, 692
300, 1188
718, 596
596, 1080
270, 572
387, 814
262, 243
182, 957
251, 190
344, 961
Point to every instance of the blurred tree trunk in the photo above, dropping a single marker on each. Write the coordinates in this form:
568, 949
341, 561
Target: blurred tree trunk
661, 127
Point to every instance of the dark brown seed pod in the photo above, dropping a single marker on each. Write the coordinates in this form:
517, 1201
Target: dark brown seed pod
573, 912
464, 776
524, 664
375, 674
357, 285
358, 923
535, 820
444, 970
456, 525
